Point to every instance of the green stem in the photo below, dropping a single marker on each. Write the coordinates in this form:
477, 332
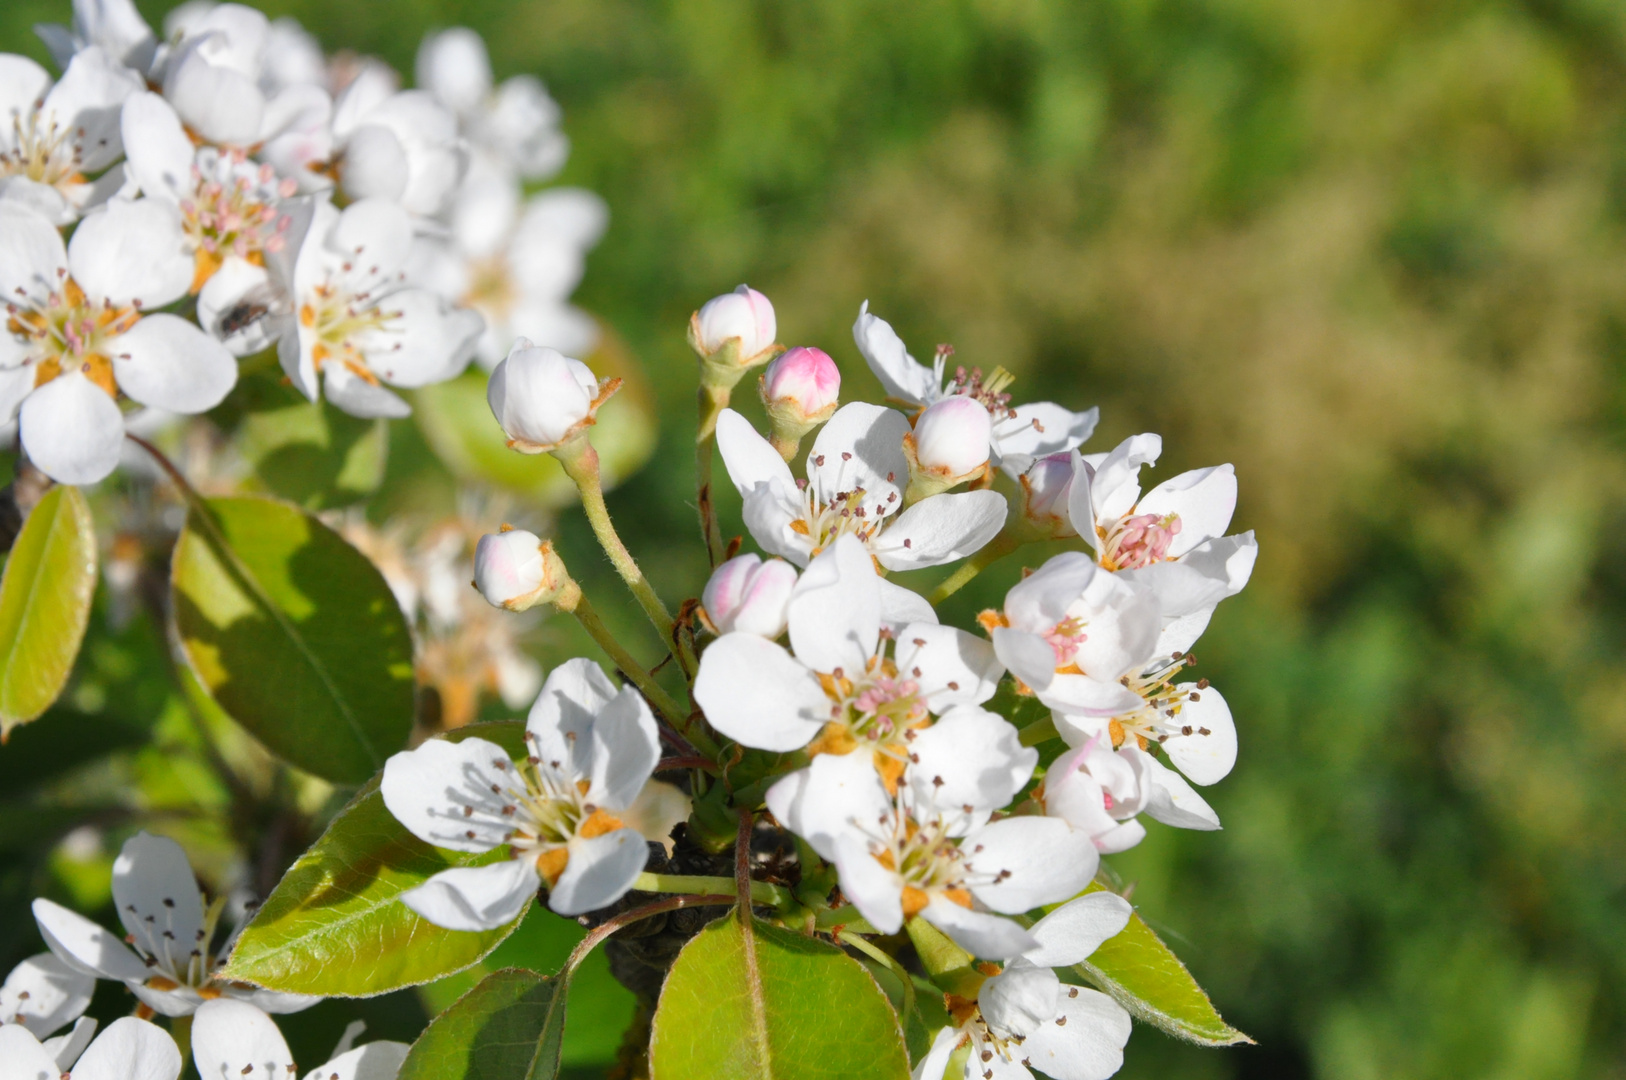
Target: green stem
995, 550
180, 1029
713, 400
762, 892
580, 462
847, 917
624, 660
1039, 731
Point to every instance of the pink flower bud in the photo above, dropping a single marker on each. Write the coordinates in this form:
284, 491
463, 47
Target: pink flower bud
744, 314
747, 595
541, 397
511, 569
952, 437
804, 382
1045, 487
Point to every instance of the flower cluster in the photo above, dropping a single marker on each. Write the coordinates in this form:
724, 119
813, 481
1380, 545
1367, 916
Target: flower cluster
172, 202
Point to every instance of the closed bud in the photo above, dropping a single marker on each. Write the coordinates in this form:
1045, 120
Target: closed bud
1045, 487
514, 569
733, 333
543, 398
749, 596
800, 391
949, 445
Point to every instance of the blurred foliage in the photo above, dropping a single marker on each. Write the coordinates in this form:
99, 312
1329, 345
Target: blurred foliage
1371, 251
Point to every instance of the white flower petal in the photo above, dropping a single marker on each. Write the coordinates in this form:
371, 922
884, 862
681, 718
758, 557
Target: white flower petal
358, 397
901, 375
1019, 999
236, 283
379, 1060
168, 363
426, 341
72, 430
560, 724
1087, 697
232, 1039
453, 65
131, 1049
476, 897
626, 747
1181, 633
771, 512
835, 609
838, 795
158, 154
1174, 802
1205, 759
222, 105
1028, 656
1073, 931
1114, 488
966, 765
756, 693
933, 1065
1042, 599
157, 899
132, 251
67, 1047
874, 890
16, 383
747, 456
23, 84
87, 100
901, 606
1089, 1046
569, 215
181, 1001
1042, 428
1205, 499
942, 528
430, 788
82, 944
1046, 859
600, 871
32, 257
951, 666
23, 1058
43, 993
274, 1001
374, 234
861, 447
992, 937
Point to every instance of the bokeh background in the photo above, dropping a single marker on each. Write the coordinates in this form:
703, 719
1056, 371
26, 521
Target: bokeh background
1370, 251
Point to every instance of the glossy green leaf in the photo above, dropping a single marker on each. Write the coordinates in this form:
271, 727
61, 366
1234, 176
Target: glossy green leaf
334, 924
456, 419
45, 596
775, 1004
510, 1027
296, 635
1144, 976
314, 454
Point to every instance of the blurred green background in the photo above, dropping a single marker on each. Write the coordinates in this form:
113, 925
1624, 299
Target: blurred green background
1370, 251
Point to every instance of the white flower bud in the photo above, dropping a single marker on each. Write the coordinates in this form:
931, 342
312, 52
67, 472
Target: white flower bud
743, 314
750, 596
542, 398
1045, 487
952, 437
515, 569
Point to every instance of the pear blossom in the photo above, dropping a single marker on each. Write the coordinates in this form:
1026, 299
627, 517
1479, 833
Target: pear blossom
948, 447
513, 127
43, 995
922, 852
799, 391
735, 330
52, 137
840, 686
1169, 539
356, 324
749, 595
1024, 1017
171, 959
76, 336
1071, 632
1045, 488
1017, 435
401, 145
1099, 790
592, 747
130, 1049
855, 476
114, 26
516, 570
544, 399
232, 1040
514, 262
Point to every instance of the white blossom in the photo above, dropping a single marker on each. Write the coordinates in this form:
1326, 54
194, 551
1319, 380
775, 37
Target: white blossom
171, 960
130, 1049
543, 399
232, 1040
744, 316
401, 145
76, 336
856, 474
591, 749
514, 127
1024, 1017
357, 325
1017, 435
114, 26
44, 994
53, 135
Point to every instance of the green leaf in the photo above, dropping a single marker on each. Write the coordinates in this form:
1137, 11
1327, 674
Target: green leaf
1144, 976
457, 422
510, 1027
334, 924
314, 454
296, 635
45, 597
770, 1002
